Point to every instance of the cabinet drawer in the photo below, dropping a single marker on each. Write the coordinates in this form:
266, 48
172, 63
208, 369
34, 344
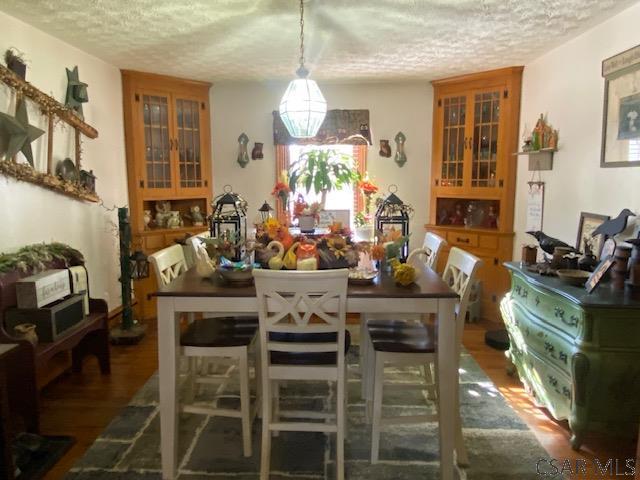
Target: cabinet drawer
154, 242
552, 309
549, 345
462, 239
488, 242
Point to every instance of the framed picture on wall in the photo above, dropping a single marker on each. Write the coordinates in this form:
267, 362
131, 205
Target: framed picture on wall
621, 112
588, 223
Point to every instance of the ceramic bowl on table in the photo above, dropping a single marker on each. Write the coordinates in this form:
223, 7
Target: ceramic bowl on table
236, 276
577, 278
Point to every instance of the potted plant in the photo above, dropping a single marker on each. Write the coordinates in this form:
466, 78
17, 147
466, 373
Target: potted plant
15, 62
323, 171
364, 220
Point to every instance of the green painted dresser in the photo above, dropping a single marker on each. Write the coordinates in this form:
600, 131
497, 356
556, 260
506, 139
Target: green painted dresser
578, 354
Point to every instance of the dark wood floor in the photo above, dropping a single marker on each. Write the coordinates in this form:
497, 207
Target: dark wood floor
82, 405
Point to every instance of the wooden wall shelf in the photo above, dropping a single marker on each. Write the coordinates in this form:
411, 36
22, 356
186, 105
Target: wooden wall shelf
539, 160
49, 104
25, 173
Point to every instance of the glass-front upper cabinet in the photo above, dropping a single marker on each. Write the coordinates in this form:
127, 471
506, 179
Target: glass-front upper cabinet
467, 140
189, 143
157, 171
484, 152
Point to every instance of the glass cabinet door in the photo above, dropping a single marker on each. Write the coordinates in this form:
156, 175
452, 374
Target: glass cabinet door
453, 141
484, 152
157, 145
189, 146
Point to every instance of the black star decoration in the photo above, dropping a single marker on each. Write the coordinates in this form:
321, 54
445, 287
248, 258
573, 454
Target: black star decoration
76, 91
16, 134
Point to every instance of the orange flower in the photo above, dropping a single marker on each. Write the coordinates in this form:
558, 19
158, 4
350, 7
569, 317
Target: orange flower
377, 252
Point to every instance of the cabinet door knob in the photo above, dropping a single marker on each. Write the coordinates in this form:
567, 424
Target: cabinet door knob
170, 144
462, 240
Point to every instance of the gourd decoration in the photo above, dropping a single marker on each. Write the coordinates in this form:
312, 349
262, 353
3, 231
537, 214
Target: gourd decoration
275, 262
204, 265
404, 274
290, 260
307, 255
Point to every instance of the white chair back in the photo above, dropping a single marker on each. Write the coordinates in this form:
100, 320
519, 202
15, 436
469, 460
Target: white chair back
192, 244
288, 300
168, 264
460, 274
430, 251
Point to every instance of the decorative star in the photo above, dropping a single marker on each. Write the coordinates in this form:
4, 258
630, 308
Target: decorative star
16, 134
76, 91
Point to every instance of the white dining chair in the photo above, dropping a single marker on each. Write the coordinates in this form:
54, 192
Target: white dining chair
430, 251
212, 338
414, 344
428, 254
302, 338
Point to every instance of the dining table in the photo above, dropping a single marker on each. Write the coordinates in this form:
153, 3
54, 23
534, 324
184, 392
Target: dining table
192, 293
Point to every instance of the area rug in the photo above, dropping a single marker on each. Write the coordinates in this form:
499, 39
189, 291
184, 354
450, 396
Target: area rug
35, 463
499, 444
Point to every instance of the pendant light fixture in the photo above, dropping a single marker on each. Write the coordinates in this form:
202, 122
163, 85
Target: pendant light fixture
302, 108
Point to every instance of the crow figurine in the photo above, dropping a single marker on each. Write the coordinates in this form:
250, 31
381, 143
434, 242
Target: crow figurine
548, 244
612, 227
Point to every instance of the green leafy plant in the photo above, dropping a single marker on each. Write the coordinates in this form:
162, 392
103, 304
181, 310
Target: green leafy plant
34, 258
323, 171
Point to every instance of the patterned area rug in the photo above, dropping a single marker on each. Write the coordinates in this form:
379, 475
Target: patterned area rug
499, 444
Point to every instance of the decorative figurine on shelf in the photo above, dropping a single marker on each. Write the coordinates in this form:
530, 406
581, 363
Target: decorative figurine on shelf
588, 262
443, 217
256, 152
385, 149
458, 216
401, 157
612, 227
243, 156
76, 91
549, 244
146, 219
543, 136
491, 219
16, 63
195, 215
88, 180
553, 140
469, 220
174, 220
163, 211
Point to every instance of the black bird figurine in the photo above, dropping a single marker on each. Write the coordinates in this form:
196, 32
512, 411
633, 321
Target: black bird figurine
614, 226
548, 244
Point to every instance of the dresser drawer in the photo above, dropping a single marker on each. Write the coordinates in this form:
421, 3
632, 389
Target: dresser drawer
544, 340
462, 239
551, 386
552, 309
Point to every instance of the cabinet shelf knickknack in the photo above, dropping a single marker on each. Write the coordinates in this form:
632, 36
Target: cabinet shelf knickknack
539, 160
52, 109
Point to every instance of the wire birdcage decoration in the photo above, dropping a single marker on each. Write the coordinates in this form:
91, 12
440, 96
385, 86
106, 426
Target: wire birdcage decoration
393, 213
229, 218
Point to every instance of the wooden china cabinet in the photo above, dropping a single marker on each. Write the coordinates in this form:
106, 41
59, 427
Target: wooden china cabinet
475, 133
168, 147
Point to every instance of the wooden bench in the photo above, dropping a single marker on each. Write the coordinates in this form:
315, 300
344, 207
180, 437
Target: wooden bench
34, 366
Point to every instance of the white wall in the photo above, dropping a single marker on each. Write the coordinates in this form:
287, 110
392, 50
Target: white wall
566, 84
30, 214
247, 107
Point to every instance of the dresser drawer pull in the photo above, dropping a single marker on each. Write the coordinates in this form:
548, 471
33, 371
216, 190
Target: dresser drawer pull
559, 313
553, 380
537, 300
566, 392
462, 240
563, 357
518, 289
525, 293
548, 347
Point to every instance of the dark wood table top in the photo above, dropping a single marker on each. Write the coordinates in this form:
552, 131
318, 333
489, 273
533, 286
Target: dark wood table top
428, 285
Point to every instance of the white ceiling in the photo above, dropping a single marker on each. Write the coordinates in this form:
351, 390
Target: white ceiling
346, 39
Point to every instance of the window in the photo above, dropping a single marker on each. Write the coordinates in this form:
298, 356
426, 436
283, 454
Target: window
338, 199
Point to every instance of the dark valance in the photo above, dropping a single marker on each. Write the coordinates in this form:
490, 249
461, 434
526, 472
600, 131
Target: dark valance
339, 126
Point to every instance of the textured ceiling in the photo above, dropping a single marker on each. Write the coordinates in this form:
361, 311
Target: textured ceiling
346, 39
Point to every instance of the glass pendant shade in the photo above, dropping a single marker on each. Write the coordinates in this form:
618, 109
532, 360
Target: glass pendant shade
303, 108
